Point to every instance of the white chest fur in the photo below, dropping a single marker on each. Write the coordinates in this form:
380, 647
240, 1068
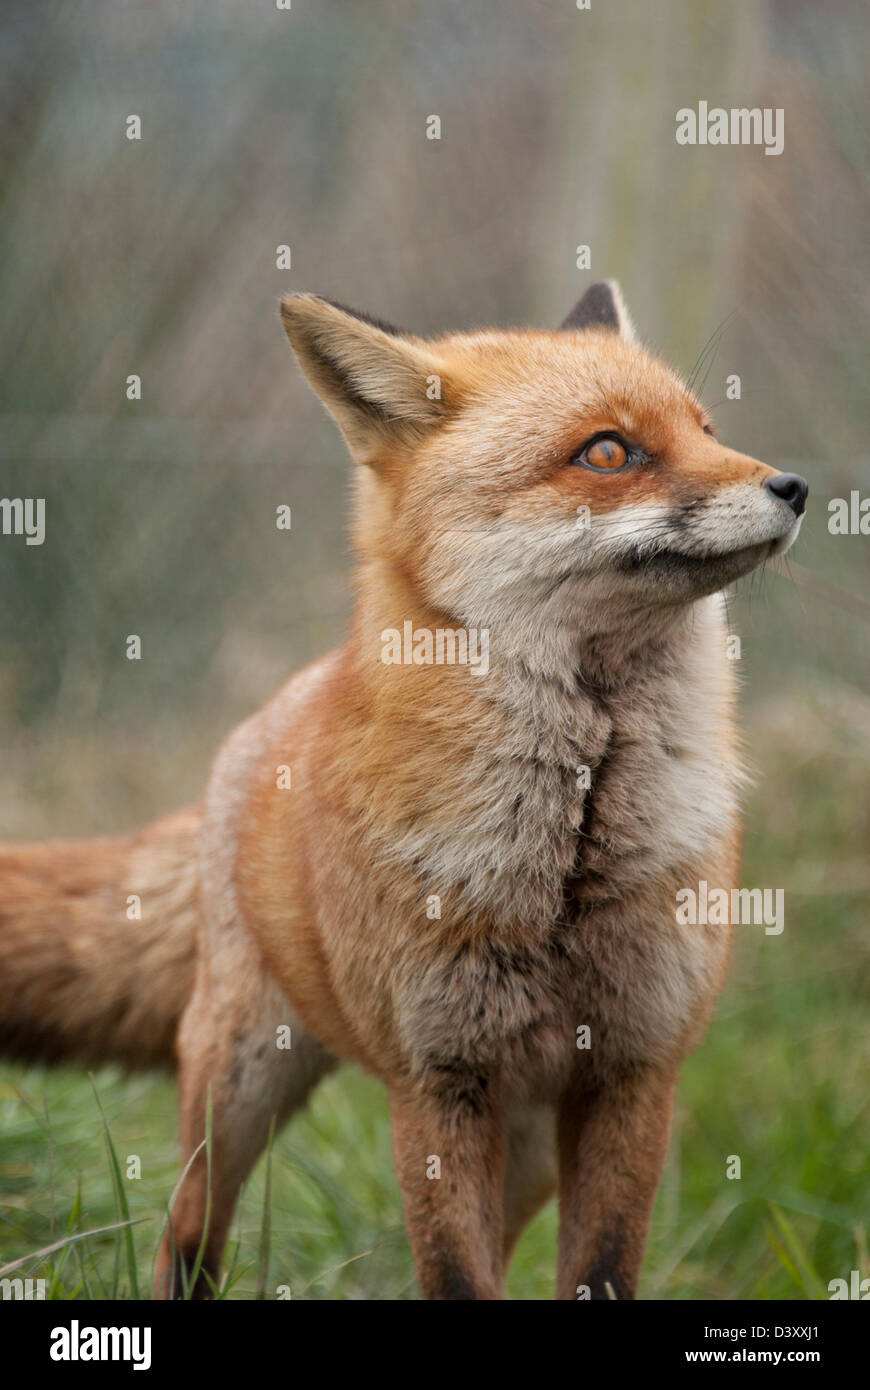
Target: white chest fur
569, 830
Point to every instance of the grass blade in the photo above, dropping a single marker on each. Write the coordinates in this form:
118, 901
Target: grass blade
266, 1221
121, 1202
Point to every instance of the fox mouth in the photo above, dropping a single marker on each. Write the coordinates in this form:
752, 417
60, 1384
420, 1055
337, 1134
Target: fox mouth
679, 559
681, 569
642, 558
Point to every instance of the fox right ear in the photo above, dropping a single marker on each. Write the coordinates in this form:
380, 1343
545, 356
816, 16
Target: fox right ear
602, 306
379, 383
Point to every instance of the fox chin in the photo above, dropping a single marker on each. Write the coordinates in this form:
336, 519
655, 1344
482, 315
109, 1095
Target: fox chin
460, 874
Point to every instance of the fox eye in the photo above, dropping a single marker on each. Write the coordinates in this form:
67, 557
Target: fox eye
708, 429
605, 454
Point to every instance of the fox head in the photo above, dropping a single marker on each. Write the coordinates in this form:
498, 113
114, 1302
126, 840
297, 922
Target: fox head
539, 474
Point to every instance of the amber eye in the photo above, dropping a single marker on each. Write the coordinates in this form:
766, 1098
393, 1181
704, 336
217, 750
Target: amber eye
605, 454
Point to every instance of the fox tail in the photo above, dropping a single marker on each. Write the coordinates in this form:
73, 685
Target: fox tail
98, 944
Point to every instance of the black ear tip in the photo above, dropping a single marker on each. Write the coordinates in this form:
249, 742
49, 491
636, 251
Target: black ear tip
370, 319
304, 306
599, 307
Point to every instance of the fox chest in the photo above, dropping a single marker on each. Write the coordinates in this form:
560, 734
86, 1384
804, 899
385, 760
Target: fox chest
562, 823
573, 876
608, 994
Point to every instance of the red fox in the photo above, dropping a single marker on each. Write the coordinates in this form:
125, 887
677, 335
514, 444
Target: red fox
450, 851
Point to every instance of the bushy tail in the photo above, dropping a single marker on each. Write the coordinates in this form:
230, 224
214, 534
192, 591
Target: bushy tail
82, 978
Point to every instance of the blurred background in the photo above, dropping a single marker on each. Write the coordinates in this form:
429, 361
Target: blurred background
157, 257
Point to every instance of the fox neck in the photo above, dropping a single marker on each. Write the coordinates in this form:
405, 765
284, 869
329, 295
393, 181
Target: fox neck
588, 641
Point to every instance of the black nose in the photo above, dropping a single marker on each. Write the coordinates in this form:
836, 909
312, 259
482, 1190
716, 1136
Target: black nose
792, 488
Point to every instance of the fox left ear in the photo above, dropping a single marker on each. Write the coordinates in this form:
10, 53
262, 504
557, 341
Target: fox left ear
602, 306
380, 385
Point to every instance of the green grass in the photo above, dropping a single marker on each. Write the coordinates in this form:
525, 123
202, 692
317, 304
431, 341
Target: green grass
780, 1081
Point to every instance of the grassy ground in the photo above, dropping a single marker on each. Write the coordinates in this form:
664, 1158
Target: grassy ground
780, 1082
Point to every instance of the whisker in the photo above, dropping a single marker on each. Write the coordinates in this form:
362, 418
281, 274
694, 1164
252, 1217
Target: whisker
711, 346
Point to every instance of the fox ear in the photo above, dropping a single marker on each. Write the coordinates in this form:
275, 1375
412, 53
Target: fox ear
375, 380
602, 306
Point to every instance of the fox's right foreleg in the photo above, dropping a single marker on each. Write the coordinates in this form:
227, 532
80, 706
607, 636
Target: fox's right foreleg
450, 1155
